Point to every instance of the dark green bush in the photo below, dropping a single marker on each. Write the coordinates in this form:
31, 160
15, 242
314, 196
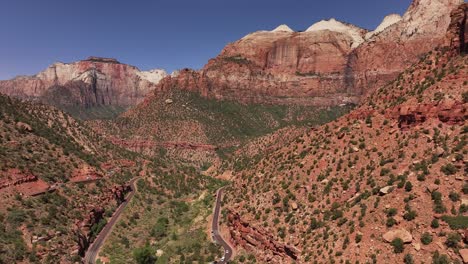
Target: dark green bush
398, 245
426, 238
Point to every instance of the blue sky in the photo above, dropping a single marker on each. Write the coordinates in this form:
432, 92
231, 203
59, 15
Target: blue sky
156, 34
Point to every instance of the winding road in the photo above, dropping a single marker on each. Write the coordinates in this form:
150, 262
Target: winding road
93, 250
215, 230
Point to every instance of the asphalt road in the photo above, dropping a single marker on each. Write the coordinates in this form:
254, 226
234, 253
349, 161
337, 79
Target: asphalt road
215, 230
91, 254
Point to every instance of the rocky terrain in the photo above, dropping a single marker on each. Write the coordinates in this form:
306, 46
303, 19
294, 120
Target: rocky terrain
385, 183
340, 144
100, 84
59, 180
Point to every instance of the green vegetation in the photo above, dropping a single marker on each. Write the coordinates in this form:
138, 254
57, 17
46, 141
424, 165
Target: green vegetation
144, 255
456, 222
307, 74
398, 245
227, 121
167, 215
95, 112
426, 238
237, 59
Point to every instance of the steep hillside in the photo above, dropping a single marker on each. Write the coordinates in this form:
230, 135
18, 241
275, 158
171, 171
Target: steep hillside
60, 182
384, 184
54, 174
199, 129
91, 88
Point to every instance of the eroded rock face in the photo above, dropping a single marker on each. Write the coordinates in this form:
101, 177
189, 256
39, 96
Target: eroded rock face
447, 111
275, 67
383, 56
457, 35
83, 229
91, 82
255, 238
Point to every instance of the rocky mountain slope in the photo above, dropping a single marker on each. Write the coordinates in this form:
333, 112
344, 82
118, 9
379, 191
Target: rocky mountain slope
87, 85
58, 180
328, 64
271, 79
199, 130
385, 183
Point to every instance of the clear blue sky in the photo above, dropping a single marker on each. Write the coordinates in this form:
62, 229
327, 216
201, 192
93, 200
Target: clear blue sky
156, 34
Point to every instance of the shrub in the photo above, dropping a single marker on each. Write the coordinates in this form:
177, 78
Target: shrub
391, 212
390, 222
435, 223
465, 188
358, 238
398, 245
440, 259
456, 222
449, 169
144, 255
408, 259
454, 196
408, 186
426, 238
452, 240
410, 215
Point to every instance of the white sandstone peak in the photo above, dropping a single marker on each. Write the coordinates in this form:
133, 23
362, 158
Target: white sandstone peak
336, 26
282, 28
154, 75
386, 22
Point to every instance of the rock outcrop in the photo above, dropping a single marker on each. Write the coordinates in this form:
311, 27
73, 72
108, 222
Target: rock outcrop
457, 35
87, 83
447, 111
85, 230
255, 238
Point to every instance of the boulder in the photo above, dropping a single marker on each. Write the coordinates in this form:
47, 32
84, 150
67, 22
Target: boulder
294, 205
403, 234
23, 126
464, 255
432, 188
159, 252
439, 151
464, 202
386, 190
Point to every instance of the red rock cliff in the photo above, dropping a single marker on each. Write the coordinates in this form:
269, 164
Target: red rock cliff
91, 82
330, 63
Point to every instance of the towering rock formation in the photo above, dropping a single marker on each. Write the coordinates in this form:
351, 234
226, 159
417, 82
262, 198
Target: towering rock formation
386, 53
330, 63
87, 83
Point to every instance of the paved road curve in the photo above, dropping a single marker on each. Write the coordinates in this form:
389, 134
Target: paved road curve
215, 229
91, 254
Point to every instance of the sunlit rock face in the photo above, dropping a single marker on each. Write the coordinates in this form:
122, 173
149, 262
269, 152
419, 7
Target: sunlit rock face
91, 82
330, 63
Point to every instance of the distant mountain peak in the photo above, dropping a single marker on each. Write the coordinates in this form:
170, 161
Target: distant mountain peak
386, 22
334, 25
282, 28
